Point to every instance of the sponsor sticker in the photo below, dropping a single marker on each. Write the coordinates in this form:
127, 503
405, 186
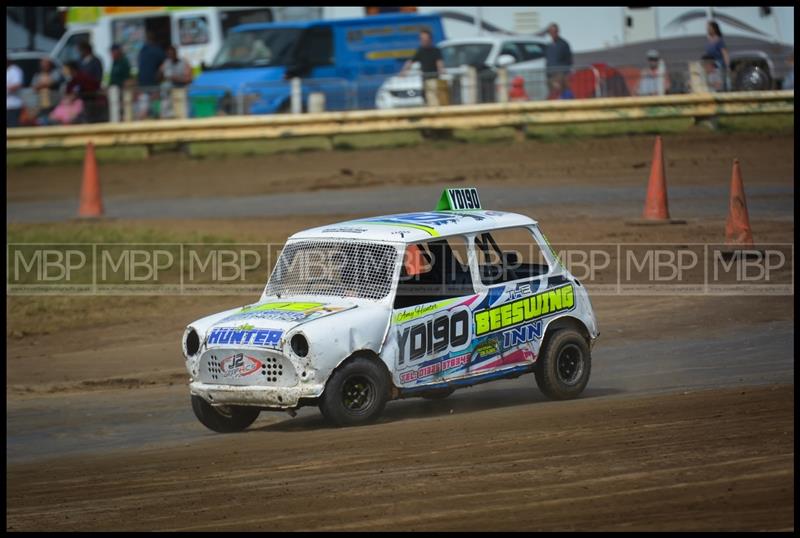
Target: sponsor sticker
245, 335
239, 365
524, 310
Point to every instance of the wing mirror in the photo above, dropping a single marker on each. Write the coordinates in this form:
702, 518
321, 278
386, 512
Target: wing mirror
504, 60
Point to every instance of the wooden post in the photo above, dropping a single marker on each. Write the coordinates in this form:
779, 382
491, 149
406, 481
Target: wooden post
697, 78
469, 83
113, 104
502, 85
297, 96
316, 102
179, 101
127, 105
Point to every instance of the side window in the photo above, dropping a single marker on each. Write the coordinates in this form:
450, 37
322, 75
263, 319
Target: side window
531, 51
130, 35
232, 19
70, 51
316, 47
511, 48
434, 270
509, 254
193, 30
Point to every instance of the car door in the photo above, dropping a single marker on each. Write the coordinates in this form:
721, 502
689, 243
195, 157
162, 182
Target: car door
521, 292
431, 328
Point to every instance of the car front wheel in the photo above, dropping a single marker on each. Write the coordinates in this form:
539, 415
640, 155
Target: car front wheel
563, 368
356, 393
223, 419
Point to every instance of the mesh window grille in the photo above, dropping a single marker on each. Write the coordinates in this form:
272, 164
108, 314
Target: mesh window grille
334, 268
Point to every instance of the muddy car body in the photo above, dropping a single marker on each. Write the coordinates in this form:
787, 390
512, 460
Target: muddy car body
418, 304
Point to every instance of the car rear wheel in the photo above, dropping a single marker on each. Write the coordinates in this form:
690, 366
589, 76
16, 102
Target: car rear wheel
752, 78
356, 393
563, 368
223, 419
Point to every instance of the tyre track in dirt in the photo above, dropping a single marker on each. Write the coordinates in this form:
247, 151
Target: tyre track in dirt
565, 465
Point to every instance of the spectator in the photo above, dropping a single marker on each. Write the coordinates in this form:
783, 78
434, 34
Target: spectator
559, 89
68, 111
718, 51
71, 108
558, 54
78, 81
653, 79
517, 91
175, 72
47, 82
150, 59
13, 99
92, 68
120, 67
90, 64
788, 80
714, 78
431, 64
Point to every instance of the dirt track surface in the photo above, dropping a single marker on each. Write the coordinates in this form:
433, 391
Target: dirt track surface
698, 158
687, 422
707, 460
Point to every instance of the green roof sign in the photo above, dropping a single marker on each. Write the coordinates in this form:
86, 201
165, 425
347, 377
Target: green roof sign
459, 200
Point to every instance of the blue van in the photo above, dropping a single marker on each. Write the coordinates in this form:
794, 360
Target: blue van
345, 59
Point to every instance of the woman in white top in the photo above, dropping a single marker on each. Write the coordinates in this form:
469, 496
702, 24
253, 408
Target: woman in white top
175, 72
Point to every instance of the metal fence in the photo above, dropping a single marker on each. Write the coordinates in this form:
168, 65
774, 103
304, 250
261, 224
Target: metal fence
461, 86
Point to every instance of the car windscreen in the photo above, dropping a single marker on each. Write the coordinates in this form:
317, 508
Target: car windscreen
334, 268
473, 54
257, 48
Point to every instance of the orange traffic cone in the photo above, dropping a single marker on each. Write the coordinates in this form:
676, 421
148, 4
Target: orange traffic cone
655, 205
737, 227
656, 209
91, 200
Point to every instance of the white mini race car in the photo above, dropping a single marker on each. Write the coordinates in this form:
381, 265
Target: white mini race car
362, 312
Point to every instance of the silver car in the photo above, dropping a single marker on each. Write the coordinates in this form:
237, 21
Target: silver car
522, 56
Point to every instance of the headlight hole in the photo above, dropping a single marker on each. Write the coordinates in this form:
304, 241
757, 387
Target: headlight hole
299, 345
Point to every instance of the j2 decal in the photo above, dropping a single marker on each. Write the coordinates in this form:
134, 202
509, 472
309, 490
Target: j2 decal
239, 365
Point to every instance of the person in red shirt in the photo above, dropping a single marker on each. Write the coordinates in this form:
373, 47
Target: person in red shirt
517, 91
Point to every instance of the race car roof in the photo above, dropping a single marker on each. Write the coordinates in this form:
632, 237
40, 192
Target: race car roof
414, 227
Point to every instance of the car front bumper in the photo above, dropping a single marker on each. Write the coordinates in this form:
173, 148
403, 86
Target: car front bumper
255, 395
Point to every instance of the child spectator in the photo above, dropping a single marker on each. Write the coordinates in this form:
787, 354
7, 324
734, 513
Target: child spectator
517, 91
47, 83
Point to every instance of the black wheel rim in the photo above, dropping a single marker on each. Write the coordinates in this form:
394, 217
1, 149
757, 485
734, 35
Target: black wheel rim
569, 365
358, 394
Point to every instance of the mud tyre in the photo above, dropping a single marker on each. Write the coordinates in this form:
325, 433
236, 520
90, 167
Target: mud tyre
356, 393
563, 369
227, 419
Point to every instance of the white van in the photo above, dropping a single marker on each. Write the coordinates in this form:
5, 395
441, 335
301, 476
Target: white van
197, 32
